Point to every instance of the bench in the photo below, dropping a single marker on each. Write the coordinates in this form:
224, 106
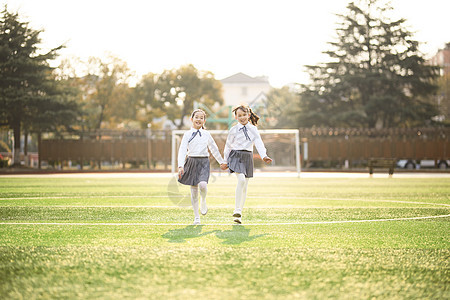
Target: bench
388, 163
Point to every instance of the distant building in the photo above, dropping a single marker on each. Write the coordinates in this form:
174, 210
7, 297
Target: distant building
442, 59
241, 88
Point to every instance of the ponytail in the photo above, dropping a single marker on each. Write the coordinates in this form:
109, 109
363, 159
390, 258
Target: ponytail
253, 117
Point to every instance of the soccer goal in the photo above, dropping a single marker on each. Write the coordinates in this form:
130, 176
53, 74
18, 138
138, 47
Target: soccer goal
283, 146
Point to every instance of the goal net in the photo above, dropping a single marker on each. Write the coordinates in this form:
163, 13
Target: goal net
282, 145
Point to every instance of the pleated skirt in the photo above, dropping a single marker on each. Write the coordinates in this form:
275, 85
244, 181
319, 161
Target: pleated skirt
196, 169
241, 161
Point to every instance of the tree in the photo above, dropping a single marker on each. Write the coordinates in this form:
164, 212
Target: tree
149, 100
282, 107
180, 88
377, 76
105, 92
443, 99
29, 94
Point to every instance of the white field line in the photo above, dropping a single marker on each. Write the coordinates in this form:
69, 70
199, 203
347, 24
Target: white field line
257, 174
230, 197
252, 224
225, 224
214, 207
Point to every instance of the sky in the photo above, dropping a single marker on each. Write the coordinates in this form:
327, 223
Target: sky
275, 38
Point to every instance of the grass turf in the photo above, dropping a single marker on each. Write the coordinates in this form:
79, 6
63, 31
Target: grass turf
117, 249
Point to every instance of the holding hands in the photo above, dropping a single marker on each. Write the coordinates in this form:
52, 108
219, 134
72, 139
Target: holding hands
224, 166
180, 172
267, 160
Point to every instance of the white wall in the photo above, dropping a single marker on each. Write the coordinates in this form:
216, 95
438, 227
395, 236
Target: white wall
237, 93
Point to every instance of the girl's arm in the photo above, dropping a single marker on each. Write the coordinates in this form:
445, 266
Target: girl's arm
215, 150
259, 144
182, 151
227, 150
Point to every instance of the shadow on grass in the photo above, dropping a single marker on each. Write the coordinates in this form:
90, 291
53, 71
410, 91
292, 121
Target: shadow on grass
182, 234
237, 235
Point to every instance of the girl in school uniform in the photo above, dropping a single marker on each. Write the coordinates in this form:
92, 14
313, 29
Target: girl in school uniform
238, 153
194, 170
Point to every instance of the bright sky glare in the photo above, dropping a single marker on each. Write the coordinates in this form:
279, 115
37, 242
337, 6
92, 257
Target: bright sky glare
256, 37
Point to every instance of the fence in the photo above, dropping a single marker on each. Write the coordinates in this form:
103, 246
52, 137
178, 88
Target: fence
318, 144
362, 144
107, 148
364, 148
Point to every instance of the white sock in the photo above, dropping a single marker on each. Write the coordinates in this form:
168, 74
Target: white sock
244, 194
240, 187
203, 186
194, 200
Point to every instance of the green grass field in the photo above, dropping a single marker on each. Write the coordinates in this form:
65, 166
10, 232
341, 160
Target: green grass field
113, 238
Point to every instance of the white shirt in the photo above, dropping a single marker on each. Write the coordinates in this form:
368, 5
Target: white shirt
237, 140
198, 146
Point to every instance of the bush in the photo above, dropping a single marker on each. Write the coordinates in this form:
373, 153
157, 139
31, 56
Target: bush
3, 163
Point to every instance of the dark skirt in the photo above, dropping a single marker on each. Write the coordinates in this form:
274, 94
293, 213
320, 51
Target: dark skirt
196, 169
241, 161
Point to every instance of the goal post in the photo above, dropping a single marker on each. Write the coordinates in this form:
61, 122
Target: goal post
283, 146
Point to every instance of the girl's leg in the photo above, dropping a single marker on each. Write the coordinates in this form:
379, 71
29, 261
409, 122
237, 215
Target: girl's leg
194, 201
203, 186
244, 194
241, 185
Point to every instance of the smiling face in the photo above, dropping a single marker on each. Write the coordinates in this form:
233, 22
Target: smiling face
198, 120
242, 116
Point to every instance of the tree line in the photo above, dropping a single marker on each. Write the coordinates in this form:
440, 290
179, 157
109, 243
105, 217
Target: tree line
376, 78
37, 98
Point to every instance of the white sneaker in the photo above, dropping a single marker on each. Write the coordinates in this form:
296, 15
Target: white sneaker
196, 221
237, 214
203, 208
238, 220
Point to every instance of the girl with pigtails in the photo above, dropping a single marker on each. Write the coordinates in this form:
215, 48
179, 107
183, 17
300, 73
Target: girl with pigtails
238, 153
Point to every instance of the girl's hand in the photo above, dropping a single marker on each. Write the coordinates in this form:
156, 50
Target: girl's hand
267, 160
180, 172
223, 166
